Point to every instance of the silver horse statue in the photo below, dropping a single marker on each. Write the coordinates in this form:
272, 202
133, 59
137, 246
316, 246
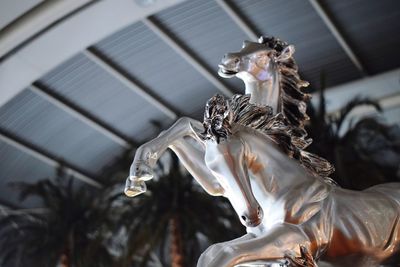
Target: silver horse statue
250, 149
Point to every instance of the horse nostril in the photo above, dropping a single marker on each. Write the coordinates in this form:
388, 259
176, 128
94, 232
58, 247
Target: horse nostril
237, 60
244, 218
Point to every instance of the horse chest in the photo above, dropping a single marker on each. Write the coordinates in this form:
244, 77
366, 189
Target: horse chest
220, 156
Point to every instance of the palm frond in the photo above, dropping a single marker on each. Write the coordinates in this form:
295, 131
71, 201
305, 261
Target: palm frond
350, 106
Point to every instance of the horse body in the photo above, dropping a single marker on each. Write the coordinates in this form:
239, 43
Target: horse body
364, 225
252, 152
339, 226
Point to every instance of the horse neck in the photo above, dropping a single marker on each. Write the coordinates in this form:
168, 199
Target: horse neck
288, 192
281, 178
288, 180
265, 93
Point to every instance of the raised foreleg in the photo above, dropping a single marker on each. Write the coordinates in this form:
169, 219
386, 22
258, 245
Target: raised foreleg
182, 138
271, 247
192, 157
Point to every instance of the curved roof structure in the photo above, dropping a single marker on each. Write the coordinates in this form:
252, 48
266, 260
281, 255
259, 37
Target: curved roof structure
81, 82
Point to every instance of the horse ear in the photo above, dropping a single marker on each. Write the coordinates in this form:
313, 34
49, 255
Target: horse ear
286, 53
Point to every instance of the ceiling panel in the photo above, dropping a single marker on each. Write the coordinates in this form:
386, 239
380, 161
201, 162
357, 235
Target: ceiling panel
31, 118
90, 87
297, 23
372, 28
148, 59
207, 30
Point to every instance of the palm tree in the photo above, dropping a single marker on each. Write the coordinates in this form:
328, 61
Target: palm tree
82, 227
174, 219
368, 153
70, 231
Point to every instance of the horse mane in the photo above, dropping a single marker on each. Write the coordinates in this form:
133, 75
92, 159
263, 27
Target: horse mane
221, 116
286, 128
292, 99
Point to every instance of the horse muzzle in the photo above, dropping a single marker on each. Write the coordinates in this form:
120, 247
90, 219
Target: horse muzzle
254, 219
225, 73
229, 66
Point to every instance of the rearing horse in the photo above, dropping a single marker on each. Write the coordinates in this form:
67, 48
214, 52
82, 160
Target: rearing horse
250, 149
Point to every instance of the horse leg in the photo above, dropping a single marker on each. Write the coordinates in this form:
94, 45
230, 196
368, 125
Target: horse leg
305, 260
215, 249
271, 247
151, 151
192, 158
191, 155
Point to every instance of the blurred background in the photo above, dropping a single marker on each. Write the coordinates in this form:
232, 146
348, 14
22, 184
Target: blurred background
83, 83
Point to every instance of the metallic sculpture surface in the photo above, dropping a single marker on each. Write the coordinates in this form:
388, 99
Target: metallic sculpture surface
250, 149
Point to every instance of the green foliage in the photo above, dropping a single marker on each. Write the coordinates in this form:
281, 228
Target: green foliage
174, 194
106, 228
72, 224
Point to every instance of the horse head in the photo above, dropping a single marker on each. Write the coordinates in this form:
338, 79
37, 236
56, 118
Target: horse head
226, 159
233, 177
256, 61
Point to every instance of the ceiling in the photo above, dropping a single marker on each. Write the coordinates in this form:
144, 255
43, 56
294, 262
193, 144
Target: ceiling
89, 109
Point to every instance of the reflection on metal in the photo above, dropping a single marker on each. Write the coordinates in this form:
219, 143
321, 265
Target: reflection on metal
187, 55
250, 149
238, 19
47, 158
113, 70
113, 134
338, 36
305, 259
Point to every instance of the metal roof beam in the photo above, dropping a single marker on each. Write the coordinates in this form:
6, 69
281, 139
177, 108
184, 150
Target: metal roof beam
47, 158
123, 77
374, 87
240, 21
322, 12
51, 44
188, 55
386, 103
83, 116
36, 20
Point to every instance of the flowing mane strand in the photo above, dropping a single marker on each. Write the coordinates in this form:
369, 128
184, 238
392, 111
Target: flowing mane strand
221, 116
292, 99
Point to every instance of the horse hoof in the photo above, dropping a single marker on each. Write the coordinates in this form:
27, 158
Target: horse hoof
140, 171
134, 188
